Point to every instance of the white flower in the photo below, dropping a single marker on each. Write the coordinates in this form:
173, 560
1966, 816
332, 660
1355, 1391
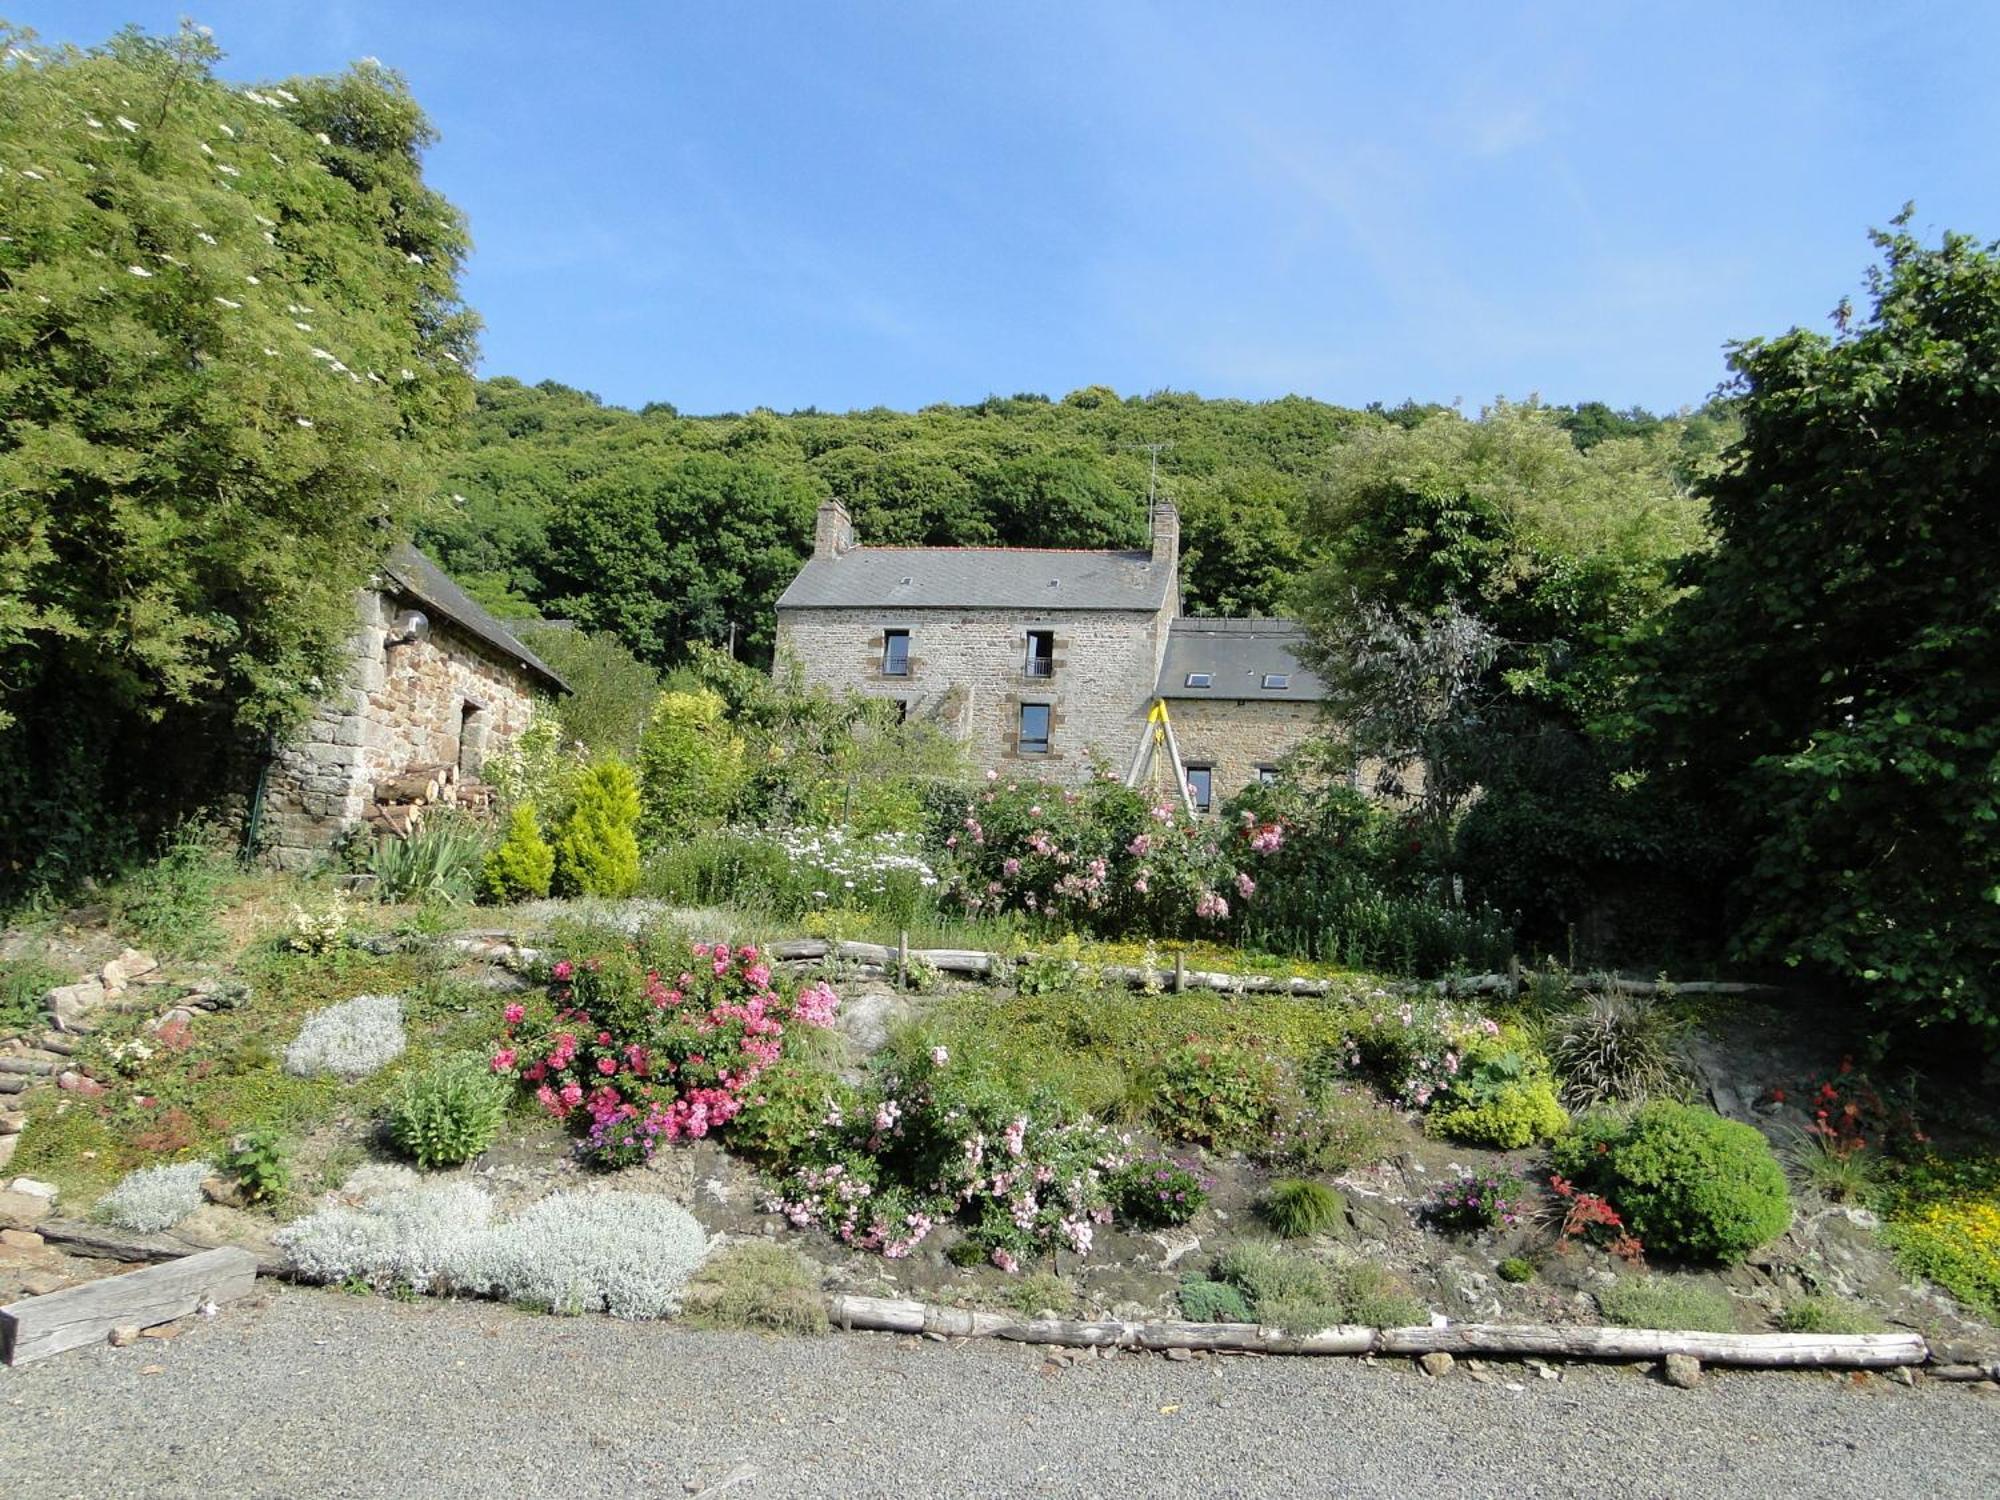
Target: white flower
223, 166
253, 281
303, 327
322, 137
414, 259
125, 123
226, 131
303, 421
205, 237
94, 124
206, 150
31, 172
267, 223
139, 270
227, 303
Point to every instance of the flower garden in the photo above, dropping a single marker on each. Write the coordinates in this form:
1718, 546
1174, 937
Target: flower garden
1227, 1068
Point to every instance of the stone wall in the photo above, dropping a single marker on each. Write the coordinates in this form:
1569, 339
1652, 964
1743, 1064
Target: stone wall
448, 699
968, 674
1236, 738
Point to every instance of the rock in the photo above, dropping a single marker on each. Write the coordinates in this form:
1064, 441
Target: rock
7, 1146
41, 1283
35, 1188
27, 1067
23, 1210
55, 1041
21, 1239
73, 1082
224, 1191
13, 1083
1903, 1375
1436, 1363
71, 1004
124, 1335
13, 1122
166, 1333
1180, 1356
1683, 1371
133, 963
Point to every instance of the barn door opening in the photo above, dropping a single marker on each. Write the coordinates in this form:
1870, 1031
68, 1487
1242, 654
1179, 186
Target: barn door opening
471, 739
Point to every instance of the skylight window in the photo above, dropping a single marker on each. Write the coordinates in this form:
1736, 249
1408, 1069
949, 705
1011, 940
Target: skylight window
1277, 681
1201, 679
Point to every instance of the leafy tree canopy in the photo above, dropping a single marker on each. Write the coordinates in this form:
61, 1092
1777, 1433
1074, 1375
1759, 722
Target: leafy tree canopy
1830, 685
230, 337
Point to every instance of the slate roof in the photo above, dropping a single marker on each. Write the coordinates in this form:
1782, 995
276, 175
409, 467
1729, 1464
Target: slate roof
428, 584
980, 578
1237, 655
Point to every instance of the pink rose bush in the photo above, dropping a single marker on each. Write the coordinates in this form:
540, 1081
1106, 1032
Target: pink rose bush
1104, 858
631, 1053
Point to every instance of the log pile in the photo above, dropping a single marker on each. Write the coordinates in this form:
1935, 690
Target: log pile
401, 800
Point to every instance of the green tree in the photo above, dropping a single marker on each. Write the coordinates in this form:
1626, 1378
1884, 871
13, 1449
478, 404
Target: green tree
597, 848
230, 339
611, 690
1831, 683
690, 764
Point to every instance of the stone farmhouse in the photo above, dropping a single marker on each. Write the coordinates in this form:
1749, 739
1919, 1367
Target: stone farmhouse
1050, 662
434, 685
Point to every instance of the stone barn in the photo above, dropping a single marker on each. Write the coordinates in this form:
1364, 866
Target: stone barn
434, 686
1048, 662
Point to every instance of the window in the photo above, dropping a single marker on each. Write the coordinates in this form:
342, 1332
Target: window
1034, 737
1201, 786
1041, 653
1201, 679
1268, 776
895, 653
1277, 681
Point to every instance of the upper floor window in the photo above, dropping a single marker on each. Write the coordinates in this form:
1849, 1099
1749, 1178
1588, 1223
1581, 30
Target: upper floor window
1200, 679
1268, 776
1034, 736
1277, 681
895, 653
1201, 786
1041, 653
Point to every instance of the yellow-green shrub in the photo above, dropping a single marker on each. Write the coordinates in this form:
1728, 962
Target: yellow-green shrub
1509, 1117
524, 864
597, 850
690, 763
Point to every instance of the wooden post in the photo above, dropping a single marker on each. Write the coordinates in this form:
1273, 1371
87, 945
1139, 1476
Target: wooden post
903, 959
1180, 971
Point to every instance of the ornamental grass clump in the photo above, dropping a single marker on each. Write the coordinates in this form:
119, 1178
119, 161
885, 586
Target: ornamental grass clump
759, 1286
1674, 1306
1288, 1290
349, 1040
154, 1198
1298, 1209
1687, 1182
448, 1113
1616, 1048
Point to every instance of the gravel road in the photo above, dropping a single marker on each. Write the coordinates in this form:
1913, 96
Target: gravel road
303, 1393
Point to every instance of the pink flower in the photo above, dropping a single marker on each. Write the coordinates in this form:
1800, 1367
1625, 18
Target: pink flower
939, 1057
571, 1095
503, 1059
1001, 1258
1244, 885
1211, 907
515, 1014
563, 969
607, 1065
1010, 867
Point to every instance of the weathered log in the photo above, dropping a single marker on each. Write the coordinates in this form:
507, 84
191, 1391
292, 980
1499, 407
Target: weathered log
1754, 1350
38, 1327
103, 1242
791, 950
1989, 1371
28, 1067
409, 787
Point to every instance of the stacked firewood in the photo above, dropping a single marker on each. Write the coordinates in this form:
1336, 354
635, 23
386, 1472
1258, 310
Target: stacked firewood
401, 800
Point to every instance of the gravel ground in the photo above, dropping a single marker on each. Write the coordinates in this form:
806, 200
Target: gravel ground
295, 1392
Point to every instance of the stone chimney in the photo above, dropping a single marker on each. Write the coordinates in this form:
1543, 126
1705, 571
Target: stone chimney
833, 531
1166, 533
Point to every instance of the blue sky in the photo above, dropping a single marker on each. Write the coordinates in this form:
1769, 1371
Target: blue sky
846, 205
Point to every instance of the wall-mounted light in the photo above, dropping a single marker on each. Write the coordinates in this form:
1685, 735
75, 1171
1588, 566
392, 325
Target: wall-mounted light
409, 625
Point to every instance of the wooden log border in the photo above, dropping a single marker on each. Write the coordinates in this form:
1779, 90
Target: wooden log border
1756, 1351
38, 1327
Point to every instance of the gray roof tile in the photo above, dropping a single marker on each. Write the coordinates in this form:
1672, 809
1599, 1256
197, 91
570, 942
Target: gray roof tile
979, 578
1236, 655
427, 583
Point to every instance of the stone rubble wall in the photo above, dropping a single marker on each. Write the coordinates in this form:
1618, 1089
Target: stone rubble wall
968, 674
400, 706
1235, 738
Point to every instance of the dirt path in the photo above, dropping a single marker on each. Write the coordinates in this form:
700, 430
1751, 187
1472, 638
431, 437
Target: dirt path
319, 1393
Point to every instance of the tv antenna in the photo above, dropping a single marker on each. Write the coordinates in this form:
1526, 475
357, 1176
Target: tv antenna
1153, 473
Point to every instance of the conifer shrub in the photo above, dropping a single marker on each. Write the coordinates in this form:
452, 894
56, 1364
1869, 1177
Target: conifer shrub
523, 865
1687, 1182
597, 850
448, 1113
